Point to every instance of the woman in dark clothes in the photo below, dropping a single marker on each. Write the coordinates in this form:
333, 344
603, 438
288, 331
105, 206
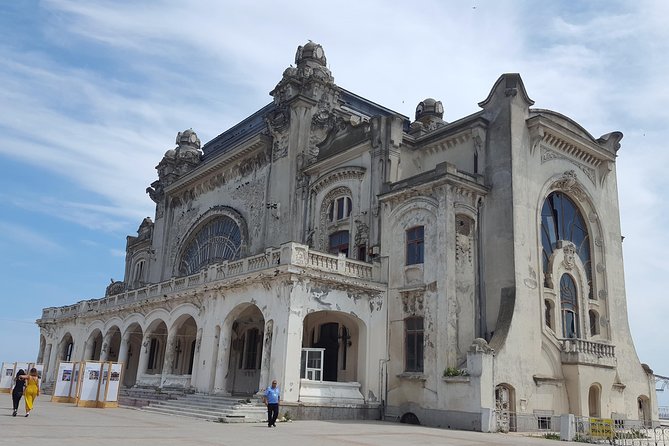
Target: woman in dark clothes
17, 393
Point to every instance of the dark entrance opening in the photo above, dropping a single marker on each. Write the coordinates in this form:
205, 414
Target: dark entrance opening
329, 340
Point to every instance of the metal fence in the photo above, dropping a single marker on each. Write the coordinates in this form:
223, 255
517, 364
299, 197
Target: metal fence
587, 429
621, 432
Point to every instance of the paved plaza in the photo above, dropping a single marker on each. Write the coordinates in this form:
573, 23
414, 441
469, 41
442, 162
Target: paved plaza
64, 424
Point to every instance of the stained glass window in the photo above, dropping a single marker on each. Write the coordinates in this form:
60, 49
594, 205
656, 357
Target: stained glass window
218, 240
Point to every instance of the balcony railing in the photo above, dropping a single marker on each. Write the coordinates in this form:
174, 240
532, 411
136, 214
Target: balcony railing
581, 351
287, 254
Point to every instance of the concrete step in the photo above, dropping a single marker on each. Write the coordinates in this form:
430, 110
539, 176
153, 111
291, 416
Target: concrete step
210, 415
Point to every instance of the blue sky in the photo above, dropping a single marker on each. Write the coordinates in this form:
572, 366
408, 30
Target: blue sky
93, 93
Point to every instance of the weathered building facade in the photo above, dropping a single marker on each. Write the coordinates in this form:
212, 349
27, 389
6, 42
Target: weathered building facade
367, 261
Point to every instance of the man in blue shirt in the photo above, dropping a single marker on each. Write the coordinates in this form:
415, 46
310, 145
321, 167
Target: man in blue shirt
272, 398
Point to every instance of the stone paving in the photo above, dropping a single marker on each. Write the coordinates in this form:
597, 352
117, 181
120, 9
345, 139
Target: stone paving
66, 425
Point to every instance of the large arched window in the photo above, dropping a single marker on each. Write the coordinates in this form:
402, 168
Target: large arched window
569, 306
216, 241
561, 220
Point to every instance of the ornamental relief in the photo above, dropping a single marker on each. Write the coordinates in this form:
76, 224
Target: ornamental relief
252, 194
549, 155
340, 191
569, 183
413, 302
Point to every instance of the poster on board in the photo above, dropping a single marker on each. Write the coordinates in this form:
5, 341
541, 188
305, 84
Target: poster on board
111, 392
6, 377
90, 384
64, 381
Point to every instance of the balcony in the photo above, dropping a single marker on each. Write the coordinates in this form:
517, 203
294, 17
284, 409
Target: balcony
285, 258
581, 351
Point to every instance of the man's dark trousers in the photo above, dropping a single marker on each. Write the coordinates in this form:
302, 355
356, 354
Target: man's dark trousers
272, 413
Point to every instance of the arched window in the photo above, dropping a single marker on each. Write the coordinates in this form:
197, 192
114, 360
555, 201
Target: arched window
561, 220
218, 240
569, 306
138, 276
594, 401
339, 209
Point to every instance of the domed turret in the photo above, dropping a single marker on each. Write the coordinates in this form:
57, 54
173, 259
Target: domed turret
429, 107
310, 53
188, 140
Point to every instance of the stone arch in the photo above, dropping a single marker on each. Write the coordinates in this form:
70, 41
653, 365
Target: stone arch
112, 340
570, 185
183, 332
505, 407
343, 336
327, 227
244, 328
66, 347
227, 216
415, 213
93, 345
132, 338
644, 410
132, 319
595, 400
155, 341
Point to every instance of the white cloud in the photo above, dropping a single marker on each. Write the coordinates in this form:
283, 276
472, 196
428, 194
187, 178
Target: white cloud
27, 237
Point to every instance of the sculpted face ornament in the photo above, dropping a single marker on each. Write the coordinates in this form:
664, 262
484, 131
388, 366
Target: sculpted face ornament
569, 252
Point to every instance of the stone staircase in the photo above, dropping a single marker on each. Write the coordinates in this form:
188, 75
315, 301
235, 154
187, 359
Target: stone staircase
223, 409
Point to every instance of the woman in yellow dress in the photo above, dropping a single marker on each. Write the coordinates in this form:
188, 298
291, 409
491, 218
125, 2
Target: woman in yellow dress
32, 389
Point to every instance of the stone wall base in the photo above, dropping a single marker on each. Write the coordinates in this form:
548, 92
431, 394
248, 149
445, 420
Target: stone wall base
311, 411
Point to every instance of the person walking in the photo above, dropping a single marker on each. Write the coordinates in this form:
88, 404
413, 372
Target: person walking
17, 391
272, 398
32, 389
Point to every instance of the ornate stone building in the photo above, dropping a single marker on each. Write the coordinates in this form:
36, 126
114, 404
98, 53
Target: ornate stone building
367, 261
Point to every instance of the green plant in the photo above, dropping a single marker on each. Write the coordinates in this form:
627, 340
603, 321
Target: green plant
287, 416
551, 436
452, 371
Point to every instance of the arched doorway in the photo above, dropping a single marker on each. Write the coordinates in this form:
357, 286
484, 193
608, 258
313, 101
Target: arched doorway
246, 343
66, 348
114, 345
594, 399
505, 408
338, 334
184, 346
93, 346
133, 335
644, 410
157, 334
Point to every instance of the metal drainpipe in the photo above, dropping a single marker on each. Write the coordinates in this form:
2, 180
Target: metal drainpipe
483, 326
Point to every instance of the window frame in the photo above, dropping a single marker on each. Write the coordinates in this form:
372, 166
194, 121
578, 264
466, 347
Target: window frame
415, 245
414, 344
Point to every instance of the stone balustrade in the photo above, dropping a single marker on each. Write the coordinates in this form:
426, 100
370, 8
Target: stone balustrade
581, 351
287, 254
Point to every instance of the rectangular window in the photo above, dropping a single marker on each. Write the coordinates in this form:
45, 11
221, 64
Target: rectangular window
415, 243
413, 328
339, 242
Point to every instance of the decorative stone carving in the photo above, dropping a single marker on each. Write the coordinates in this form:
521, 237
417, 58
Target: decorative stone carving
480, 345
568, 183
252, 193
361, 233
115, 287
548, 155
569, 254
412, 301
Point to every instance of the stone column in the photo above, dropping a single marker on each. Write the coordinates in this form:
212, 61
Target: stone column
123, 348
143, 356
46, 360
223, 358
104, 351
88, 350
285, 367
196, 358
266, 354
169, 356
